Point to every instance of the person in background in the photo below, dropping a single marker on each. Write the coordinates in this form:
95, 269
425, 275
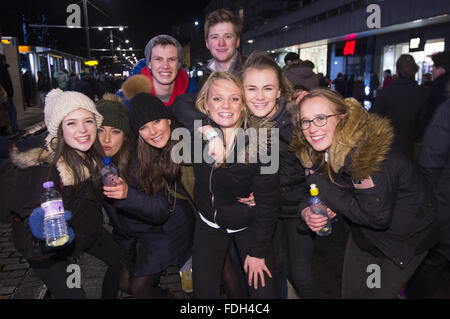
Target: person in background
301, 73
84, 85
5, 81
71, 159
403, 102
163, 56
380, 193
222, 37
387, 78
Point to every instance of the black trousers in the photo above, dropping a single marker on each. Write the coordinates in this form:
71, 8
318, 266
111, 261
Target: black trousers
210, 248
295, 255
424, 281
359, 274
55, 274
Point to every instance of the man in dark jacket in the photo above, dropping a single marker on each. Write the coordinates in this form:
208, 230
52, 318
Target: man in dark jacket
402, 102
441, 75
434, 162
222, 36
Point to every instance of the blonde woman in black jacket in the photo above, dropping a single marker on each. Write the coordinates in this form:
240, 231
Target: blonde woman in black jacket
376, 189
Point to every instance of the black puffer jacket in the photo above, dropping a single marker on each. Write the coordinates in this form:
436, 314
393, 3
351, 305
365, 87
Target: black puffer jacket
391, 216
217, 190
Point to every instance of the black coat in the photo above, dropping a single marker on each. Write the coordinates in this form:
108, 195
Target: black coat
292, 174
162, 225
377, 189
87, 218
403, 103
217, 190
434, 161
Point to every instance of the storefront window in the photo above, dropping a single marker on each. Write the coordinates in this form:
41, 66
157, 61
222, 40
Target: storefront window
318, 56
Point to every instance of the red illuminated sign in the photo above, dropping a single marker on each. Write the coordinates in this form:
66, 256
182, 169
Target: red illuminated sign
349, 48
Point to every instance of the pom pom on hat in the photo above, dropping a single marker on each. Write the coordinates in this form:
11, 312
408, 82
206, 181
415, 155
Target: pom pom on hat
59, 103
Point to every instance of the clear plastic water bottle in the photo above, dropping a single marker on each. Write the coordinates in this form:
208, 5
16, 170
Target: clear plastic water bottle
317, 207
109, 172
55, 227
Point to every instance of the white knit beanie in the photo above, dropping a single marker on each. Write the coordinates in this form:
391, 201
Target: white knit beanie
59, 103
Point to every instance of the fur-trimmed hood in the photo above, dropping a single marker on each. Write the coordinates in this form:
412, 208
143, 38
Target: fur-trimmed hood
41, 157
368, 136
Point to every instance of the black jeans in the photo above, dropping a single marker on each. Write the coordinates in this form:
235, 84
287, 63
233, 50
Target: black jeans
296, 254
210, 248
55, 274
357, 274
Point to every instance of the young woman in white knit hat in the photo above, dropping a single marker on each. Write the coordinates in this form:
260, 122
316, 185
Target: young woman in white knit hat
70, 158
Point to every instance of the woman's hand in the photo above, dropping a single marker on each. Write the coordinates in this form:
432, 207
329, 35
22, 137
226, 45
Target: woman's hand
299, 95
250, 200
215, 145
255, 267
315, 221
120, 191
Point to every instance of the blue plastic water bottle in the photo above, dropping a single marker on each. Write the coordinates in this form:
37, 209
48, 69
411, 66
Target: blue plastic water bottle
317, 207
109, 172
55, 227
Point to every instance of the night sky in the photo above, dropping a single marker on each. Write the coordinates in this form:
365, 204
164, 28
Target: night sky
144, 18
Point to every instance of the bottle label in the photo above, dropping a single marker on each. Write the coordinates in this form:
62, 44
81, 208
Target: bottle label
53, 208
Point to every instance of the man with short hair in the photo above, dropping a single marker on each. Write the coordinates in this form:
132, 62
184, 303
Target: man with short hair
403, 102
163, 55
222, 36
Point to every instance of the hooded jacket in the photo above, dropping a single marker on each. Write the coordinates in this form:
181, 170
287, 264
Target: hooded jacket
181, 84
86, 221
299, 74
377, 189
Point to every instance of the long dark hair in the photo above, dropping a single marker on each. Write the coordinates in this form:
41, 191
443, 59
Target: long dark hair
156, 170
77, 164
122, 158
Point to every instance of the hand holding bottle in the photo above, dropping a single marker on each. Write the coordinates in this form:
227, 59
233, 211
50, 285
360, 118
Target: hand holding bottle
36, 222
118, 191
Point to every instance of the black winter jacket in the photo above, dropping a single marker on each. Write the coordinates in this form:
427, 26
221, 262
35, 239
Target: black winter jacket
434, 162
217, 190
403, 102
87, 218
378, 190
292, 174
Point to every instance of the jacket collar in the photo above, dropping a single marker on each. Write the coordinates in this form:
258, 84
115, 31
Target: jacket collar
41, 157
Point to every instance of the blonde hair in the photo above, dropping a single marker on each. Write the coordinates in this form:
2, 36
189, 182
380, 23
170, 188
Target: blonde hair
202, 99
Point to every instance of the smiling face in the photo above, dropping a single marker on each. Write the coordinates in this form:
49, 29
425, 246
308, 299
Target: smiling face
156, 133
224, 103
111, 139
320, 138
164, 64
222, 42
262, 89
79, 130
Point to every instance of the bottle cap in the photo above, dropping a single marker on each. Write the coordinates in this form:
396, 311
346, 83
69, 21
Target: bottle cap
314, 191
106, 161
48, 184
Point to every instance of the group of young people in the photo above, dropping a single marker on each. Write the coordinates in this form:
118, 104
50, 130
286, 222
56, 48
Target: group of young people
222, 208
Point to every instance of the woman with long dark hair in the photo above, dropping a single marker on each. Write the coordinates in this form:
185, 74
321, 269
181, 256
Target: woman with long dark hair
154, 203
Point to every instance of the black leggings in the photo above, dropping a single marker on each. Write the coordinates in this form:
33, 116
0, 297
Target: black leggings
54, 273
211, 247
